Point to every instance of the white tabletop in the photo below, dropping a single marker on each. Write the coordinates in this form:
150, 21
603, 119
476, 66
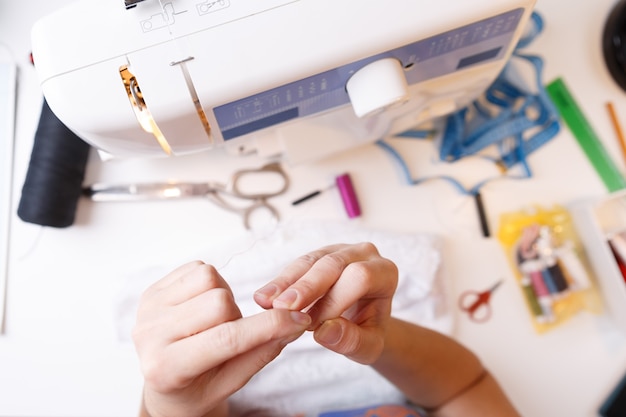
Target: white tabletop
60, 356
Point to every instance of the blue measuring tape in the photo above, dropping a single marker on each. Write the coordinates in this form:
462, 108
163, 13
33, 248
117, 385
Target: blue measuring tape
509, 115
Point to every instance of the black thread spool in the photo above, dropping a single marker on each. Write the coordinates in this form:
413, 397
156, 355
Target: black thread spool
55, 174
614, 43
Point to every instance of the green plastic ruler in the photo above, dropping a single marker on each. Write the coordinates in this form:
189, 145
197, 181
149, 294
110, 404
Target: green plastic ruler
585, 135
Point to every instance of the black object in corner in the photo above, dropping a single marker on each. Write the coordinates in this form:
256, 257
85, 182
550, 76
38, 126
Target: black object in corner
615, 404
614, 43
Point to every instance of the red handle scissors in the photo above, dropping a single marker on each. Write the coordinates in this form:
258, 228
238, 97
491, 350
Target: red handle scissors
476, 304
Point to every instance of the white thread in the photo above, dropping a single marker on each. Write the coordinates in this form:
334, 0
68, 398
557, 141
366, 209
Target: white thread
34, 245
278, 225
167, 22
9, 52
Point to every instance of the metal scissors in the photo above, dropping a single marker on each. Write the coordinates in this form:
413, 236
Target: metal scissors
254, 192
476, 304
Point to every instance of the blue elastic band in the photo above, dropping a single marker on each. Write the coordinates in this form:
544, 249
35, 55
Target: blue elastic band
476, 127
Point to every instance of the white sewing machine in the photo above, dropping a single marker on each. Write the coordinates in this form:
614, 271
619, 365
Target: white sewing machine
299, 78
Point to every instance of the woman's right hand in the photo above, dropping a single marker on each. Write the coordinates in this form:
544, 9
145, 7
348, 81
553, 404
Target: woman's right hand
194, 346
347, 289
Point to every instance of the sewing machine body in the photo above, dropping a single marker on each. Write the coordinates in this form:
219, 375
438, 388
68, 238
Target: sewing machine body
266, 76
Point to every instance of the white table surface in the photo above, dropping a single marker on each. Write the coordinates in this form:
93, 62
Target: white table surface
59, 355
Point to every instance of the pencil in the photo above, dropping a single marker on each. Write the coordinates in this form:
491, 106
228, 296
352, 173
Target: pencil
618, 128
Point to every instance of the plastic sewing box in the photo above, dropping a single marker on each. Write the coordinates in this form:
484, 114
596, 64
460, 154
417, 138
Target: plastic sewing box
598, 220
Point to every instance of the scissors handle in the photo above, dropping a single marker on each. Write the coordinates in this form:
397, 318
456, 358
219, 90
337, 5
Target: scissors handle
476, 305
259, 204
246, 212
272, 170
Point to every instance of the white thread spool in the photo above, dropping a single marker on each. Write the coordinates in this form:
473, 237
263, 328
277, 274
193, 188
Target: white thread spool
378, 86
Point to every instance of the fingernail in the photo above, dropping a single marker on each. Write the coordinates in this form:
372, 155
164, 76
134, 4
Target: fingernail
329, 333
268, 292
286, 299
300, 318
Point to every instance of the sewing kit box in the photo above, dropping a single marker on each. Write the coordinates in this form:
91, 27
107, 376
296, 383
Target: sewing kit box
597, 221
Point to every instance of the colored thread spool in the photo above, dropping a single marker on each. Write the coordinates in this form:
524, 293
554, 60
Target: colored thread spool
531, 297
548, 311
549, 281
558, 277
348, 195
539, 284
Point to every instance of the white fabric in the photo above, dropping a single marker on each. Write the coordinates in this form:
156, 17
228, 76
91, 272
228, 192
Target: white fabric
305, 378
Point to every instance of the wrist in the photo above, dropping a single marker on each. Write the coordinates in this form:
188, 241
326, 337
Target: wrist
221, 410
143, 411
147, 410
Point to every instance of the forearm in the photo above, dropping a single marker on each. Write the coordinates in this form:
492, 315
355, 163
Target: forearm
436, 372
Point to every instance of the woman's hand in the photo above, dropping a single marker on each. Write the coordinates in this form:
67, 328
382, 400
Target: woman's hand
347, 291
195, 348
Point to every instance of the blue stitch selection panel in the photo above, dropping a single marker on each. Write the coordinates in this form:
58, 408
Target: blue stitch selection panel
440, 55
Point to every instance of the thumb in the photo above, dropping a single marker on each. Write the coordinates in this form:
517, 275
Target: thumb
237, 371
360, 344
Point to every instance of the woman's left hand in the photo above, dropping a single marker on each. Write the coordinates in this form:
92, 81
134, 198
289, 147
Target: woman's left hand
346, 289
